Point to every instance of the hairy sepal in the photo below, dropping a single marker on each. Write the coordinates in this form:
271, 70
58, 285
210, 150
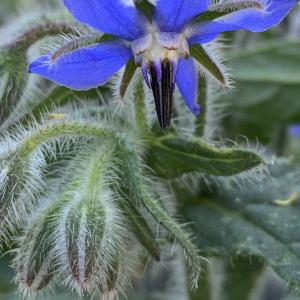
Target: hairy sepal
223, 8
127, 77
21, 183
206, 61
91, 236
22, 165
141, 229
143, 195
91, 227
36, 260
152, 202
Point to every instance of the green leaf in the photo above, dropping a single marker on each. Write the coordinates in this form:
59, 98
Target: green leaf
199, 53
6, 276
240, 217
171, 157
243, 271
267, 77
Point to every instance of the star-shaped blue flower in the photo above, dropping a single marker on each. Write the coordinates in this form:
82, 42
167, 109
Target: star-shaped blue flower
161, 46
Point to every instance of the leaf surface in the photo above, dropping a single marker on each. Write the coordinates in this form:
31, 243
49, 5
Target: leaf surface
266, 90
172, 157
240, 218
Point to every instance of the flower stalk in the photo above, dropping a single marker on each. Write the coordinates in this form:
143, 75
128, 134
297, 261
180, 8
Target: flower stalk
55, 129
140, 107
202, 101
38, 32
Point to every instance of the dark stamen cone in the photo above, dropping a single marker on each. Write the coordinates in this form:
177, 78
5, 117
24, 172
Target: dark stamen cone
163, 92
167, 92
156, 92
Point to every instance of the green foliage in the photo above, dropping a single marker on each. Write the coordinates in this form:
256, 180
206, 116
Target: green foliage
227, 279
141, 229
172, 157
35, 261
90, 190
267, 86
243, 218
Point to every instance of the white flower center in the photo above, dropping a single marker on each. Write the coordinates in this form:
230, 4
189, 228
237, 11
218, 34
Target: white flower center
158, 46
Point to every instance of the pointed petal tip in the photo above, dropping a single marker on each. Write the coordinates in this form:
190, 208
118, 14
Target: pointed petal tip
196, 110
33, 68
33, 65
30, 69
271, 14
187, 82
85, 68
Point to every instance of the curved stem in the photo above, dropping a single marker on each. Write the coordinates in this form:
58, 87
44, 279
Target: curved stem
37, 32
52, 130
183, 238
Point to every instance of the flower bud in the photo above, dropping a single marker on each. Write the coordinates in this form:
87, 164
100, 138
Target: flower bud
14, 76
35, 261
85, 230
20, 183
91, 230
3, 176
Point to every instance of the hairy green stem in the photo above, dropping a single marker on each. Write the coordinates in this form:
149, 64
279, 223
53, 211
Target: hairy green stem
140, 107
202, 101
141, 196
154, 207
53, 130
37, 32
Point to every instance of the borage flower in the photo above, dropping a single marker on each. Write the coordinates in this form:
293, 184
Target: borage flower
163, 44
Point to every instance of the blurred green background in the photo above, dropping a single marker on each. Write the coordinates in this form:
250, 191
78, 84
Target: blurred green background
265, 101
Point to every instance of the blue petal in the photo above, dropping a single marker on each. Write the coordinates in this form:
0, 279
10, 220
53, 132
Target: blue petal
85, 68
174, 15
109, 16
252, 19
187, 81
294, 130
